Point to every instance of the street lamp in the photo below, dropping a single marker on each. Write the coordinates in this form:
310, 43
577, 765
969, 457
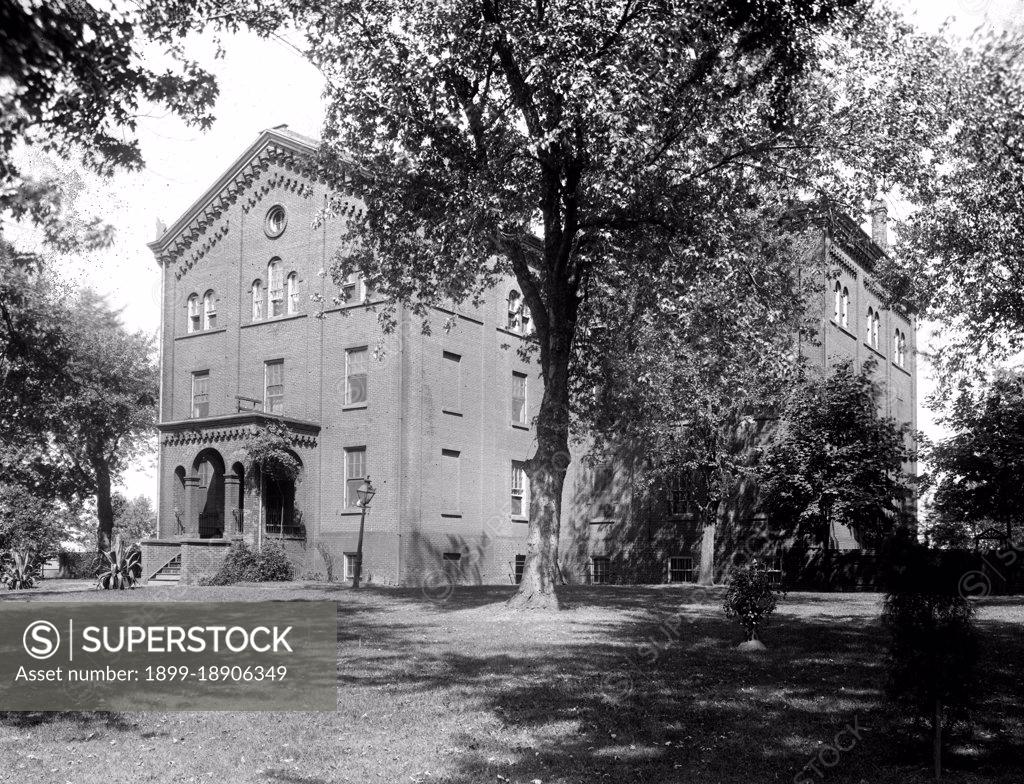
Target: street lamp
365, 492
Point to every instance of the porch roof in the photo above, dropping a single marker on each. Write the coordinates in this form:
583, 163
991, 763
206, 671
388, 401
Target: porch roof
238, 425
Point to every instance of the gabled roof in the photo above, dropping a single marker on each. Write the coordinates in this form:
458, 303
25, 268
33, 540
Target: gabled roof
274, 145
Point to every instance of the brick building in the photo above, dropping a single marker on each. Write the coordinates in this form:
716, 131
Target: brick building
251, 335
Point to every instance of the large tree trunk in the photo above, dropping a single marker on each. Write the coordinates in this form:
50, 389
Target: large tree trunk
104, 507
546, 471
706, 575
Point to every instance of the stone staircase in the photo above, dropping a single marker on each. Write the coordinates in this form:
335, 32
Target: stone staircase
168, 574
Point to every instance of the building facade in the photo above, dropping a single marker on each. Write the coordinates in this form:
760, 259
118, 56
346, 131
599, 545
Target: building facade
255, 333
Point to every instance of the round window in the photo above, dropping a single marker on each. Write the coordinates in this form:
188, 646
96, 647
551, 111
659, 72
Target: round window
276, 221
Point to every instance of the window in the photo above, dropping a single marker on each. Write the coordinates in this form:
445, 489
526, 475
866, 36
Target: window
519, 398
451, 384
451, 482
273, 399
201, 394
520, 498
869, 324
355, 474
874, 330
680, 569
600, 570
276, 221
350, 289
257, 300
846, 308
355, 376
275, 291
349, 566
676, 497
899, 348
292, 284
520, 566
451, 558
209, 310
603, 476
525, 321
839, 302
512, 317
193, 313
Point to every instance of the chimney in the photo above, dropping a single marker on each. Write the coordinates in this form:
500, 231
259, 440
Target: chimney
880, 224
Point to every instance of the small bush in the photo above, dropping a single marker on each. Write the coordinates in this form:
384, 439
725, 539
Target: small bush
311, 577
243, 564
932, 646
750, 598
78, 566
120, 566
21, 571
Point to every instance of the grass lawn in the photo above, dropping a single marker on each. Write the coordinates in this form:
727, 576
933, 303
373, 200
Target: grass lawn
625, 685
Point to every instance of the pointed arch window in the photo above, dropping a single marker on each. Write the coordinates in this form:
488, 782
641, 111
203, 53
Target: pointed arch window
275, 289
194, 322
257, 300
512, 315
292, 286
896, 347
209, 310
869, 323
846, 308
875, 323
838, 293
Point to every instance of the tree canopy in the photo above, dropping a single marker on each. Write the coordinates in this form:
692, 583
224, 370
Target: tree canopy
964, 242
833, 458
978, 473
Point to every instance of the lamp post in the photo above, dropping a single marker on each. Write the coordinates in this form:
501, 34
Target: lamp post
366, 492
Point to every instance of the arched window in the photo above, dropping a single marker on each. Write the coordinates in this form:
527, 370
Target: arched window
292, 284
896, 346
525, 320
869, 323
874, 330
257, 300
193, 313
209, 310
275, 288
846, 307
839, 302
514, 307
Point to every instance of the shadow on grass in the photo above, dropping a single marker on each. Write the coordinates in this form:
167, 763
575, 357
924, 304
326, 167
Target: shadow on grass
642, 685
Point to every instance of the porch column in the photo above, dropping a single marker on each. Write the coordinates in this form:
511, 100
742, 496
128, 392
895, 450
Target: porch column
231, 510
193, 505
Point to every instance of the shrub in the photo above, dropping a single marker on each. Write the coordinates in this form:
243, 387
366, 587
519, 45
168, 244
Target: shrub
243, 564
78, 566
750, 598
932, 655
120, 566
21, 571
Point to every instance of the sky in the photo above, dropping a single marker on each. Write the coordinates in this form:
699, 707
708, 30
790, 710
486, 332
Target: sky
264, 83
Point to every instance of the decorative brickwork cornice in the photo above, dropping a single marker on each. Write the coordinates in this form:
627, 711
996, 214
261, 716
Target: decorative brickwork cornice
838, 257
193, 235
235, 427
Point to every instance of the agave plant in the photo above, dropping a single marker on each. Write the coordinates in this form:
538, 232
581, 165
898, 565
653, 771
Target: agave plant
21, 571
120, 566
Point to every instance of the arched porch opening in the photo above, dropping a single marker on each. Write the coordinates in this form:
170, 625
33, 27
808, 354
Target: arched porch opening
281, 517
209, 471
